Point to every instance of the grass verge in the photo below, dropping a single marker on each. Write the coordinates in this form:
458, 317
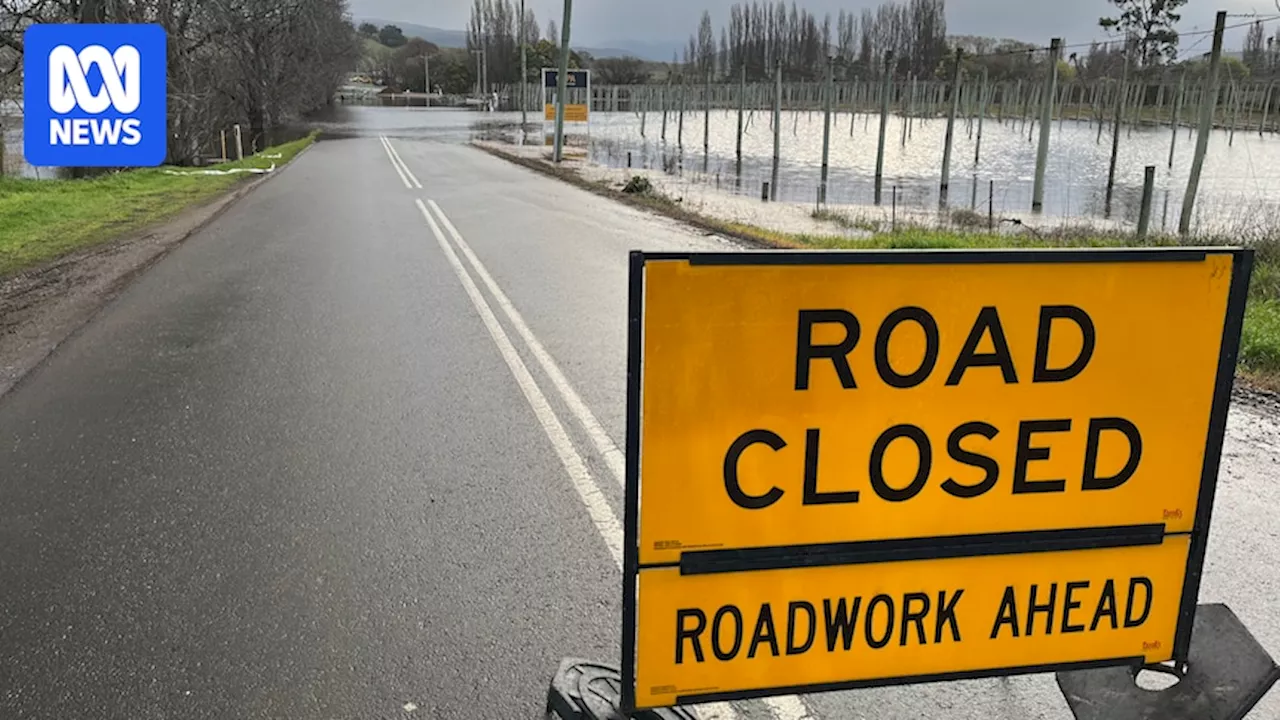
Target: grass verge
44, 219
1259, 361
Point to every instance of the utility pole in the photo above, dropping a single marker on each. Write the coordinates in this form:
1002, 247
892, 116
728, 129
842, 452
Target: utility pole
562, 80
426, 83
524, 74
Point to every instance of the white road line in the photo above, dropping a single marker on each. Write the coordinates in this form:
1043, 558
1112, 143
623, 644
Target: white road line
395, 155
613, 457
597, 506
387, 148
788, 707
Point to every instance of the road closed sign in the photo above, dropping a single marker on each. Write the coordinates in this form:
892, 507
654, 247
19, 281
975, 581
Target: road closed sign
867, 468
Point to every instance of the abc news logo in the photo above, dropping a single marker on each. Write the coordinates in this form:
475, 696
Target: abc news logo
95, 95
69, 90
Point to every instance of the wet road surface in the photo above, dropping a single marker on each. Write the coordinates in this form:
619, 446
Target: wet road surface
351, 452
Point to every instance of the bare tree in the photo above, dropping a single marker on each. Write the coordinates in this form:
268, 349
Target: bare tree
259, 63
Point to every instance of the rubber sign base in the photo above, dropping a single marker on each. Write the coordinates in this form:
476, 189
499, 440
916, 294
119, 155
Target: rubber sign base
1228, 672
586, 690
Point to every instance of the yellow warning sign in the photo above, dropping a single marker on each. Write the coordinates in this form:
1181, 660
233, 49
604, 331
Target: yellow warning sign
789, 404
701, 637
576, 113
863, 468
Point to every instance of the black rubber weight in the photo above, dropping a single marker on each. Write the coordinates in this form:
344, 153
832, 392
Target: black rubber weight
585, 690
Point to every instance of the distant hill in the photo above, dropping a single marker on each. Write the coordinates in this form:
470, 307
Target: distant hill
458, 39
438, 36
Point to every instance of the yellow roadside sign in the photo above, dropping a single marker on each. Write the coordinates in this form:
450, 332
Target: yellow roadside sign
573, 112
703, 637
811, 425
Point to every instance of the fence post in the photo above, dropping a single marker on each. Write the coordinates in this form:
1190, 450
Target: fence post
884, 120
1144, 213
1206, 124
991, 206
1046, 124
826, 129
239, 144
951, 128
742, 105
777, 131
1115, 130
982, 115
1177, 115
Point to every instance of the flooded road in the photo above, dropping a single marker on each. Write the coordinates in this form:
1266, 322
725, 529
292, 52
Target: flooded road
1239, 188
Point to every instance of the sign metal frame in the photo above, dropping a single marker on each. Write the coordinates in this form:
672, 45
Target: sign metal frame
875, 551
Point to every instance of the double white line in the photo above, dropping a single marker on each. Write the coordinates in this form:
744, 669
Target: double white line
598, 509
406, 175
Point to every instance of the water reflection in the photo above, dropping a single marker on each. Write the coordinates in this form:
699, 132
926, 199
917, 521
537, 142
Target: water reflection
1239, 187
1239, 184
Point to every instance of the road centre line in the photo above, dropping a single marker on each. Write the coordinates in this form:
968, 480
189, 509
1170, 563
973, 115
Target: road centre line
387, 149
789, 707
602, 516
598, 509
613, 457
399, 161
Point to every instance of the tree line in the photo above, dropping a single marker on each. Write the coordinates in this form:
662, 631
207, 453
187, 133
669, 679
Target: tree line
761, 36
258, 63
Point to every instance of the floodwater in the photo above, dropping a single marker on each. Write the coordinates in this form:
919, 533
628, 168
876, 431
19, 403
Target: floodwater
1239, 188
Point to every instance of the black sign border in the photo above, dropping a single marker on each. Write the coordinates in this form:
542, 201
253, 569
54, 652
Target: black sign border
1241, 270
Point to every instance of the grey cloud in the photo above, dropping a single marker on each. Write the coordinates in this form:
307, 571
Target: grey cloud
601, 22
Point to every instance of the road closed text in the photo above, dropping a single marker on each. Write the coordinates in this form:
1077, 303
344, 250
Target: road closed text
797, 404
968, 443
707, 634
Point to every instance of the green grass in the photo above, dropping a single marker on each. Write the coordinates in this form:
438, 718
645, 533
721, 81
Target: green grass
43, 219
1260, 342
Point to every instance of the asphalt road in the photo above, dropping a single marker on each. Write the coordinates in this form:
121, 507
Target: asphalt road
350, 452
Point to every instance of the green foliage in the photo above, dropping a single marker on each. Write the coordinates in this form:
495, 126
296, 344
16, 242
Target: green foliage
620, 71
1066, 72
545, 54
368, 30
1260, 340
44, 219
392, 36
1229, 68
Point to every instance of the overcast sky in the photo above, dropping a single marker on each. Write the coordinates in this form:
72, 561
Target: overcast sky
599, 22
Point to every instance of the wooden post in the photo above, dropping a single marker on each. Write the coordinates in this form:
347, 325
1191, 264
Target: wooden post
982, 116
884, 121
1046, 123
777, 131
1115, 134
951, 127
1177, 116
1144, 212
1206, 125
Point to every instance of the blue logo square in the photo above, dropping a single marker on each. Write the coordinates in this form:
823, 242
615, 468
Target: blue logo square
95, 96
